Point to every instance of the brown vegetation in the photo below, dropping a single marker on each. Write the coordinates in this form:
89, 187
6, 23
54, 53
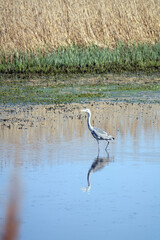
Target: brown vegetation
10, 228
11, 224
27, 24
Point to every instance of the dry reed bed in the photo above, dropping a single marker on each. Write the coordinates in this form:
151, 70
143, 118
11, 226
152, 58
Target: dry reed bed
28, 24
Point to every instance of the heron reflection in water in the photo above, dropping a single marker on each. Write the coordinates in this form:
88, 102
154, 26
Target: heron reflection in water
98, 164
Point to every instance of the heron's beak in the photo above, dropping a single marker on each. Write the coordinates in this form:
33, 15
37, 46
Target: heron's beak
83, 110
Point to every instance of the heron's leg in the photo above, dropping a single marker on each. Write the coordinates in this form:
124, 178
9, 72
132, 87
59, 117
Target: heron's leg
107, 145
98, 147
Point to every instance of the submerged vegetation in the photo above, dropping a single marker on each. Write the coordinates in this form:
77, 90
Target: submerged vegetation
90, 59
79, 90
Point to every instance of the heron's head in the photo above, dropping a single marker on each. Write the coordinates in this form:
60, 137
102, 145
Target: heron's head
87, 110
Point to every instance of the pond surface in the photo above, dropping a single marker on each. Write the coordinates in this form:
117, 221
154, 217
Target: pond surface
52, 161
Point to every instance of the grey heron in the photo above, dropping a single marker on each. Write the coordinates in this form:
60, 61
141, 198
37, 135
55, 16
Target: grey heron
97, 133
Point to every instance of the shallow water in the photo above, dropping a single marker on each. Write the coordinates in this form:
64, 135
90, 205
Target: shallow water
51, 163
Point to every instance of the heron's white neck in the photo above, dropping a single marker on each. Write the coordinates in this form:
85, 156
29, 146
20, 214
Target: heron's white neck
89, 122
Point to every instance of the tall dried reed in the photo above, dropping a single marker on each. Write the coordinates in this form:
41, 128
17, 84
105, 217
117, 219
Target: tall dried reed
28, 24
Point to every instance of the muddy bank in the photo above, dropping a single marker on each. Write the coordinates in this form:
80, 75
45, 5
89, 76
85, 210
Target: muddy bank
48, 115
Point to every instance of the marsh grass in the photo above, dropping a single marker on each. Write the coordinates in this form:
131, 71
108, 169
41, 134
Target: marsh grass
74, 59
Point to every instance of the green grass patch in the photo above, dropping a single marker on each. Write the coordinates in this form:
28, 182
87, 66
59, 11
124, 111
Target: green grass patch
90, 59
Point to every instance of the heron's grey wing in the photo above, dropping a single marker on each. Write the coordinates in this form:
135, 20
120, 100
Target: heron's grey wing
99, 131
102, 134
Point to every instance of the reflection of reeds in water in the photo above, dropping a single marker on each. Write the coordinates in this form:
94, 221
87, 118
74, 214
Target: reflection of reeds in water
10, 228
110, 117
68, 122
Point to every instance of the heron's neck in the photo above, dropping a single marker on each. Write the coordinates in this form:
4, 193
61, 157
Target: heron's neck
88, 178
89, 122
